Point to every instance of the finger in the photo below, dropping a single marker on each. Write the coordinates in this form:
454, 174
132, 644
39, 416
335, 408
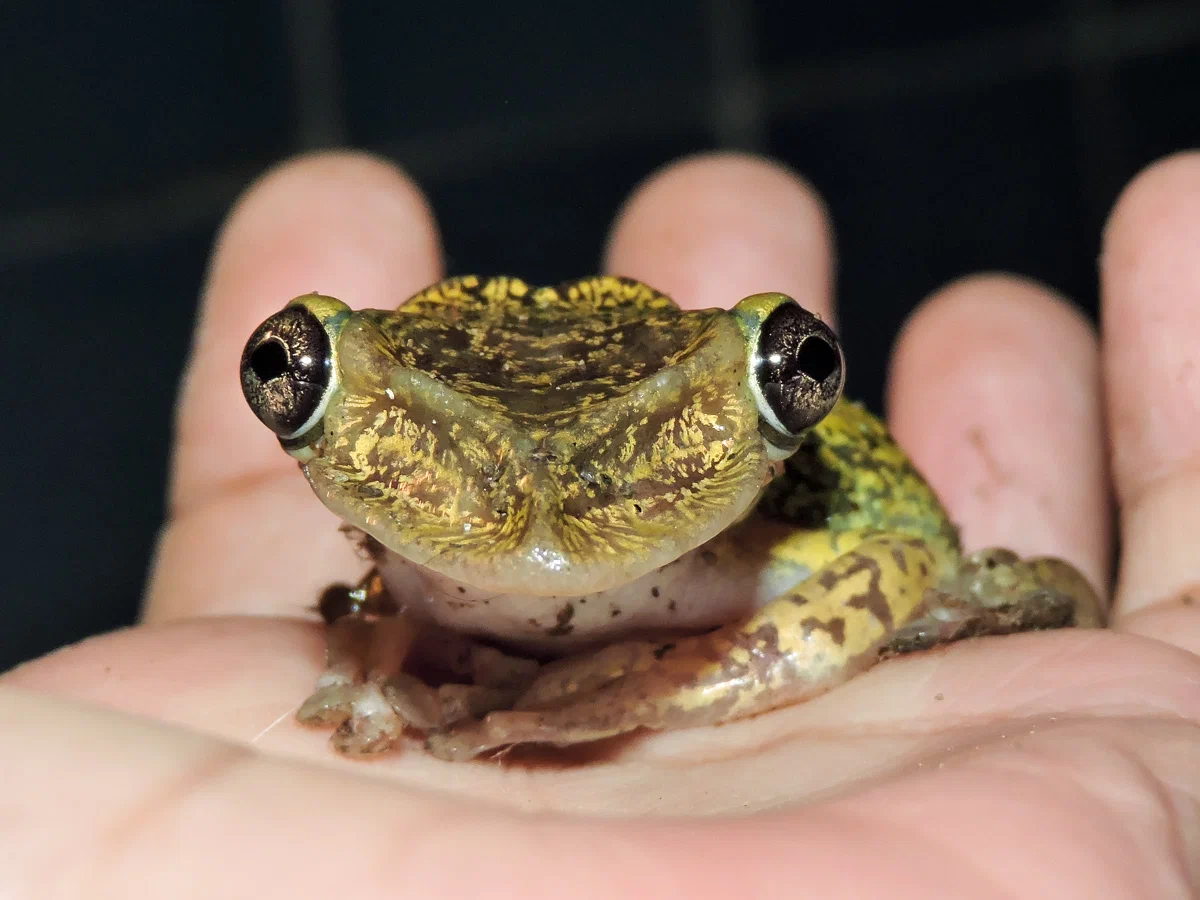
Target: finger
714, 228
245, 533
1150, 272
994, 392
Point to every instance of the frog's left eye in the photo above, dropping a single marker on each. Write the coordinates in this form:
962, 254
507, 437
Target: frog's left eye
288, 373
796, 368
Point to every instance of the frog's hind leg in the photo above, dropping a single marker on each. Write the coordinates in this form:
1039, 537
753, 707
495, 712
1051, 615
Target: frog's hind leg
819, 634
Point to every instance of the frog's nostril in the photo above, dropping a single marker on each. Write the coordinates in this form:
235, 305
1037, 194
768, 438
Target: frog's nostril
816, 359
269, 360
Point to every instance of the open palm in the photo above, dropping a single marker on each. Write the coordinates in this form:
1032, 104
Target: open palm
165, 761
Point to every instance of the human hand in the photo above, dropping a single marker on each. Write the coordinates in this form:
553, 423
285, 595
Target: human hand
164, 760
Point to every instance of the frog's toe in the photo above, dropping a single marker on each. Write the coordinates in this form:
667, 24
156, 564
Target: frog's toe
465, 740
1024, 594
364, 719
330, 705
365, 736
372, 726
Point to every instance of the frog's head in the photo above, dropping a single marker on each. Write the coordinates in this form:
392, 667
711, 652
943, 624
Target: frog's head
552, 441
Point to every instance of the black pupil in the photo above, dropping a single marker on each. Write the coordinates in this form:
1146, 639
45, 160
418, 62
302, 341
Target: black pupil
816, 359
793, 347
269, 360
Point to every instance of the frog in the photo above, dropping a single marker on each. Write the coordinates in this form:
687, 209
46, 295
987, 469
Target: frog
589, 512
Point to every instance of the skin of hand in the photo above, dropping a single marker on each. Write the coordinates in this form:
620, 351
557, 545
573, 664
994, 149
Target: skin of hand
163, 760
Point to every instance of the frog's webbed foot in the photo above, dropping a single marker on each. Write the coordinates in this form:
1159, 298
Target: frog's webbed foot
364, 692
816, 636
997, 592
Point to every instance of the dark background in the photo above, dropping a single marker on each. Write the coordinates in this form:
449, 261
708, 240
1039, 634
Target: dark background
945, 138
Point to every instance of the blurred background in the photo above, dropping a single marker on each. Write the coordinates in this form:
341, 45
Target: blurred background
945, 137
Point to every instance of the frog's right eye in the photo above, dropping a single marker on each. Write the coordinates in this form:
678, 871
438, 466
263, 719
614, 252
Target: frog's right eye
796, 368
288, 372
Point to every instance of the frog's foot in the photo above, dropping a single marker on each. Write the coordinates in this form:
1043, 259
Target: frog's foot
997, 592
372, 717
370, 702
361, 654
818, 635
365, 721
1025, 589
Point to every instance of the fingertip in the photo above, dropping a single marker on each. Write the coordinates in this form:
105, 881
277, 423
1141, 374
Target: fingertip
1003, 304
1160, 191
698, 171
714, 227
994, 392
304, 203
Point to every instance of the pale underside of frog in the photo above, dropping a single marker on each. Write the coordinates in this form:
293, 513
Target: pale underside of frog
591, 512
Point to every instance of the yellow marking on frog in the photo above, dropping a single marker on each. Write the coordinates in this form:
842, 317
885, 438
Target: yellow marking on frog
812, 549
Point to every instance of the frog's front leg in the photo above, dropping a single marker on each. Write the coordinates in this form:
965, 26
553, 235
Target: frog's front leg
364, 692
816, 636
